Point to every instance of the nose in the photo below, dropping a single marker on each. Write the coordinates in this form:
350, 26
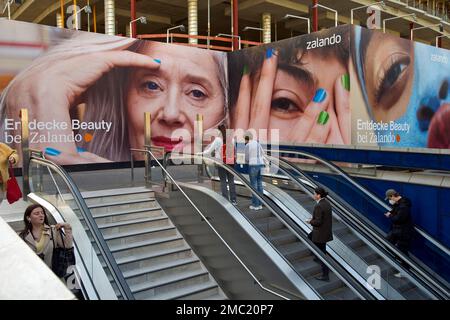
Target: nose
171, 114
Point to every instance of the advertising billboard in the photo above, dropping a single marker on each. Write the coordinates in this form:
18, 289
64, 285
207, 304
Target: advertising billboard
87, 93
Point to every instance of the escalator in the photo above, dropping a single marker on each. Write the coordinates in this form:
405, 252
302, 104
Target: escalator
358, 252
282, 233
359, 234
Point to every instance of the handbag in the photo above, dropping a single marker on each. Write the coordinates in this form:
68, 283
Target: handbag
62, 257
13, 192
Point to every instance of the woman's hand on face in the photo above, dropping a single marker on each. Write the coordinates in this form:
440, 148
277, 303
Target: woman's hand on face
254, 104
51, 88
314, 125
340, 113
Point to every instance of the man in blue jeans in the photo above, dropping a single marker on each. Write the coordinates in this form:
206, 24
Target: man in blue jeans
254, 156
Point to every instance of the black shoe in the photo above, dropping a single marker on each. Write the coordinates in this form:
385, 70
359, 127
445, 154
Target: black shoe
323, 278
316, 259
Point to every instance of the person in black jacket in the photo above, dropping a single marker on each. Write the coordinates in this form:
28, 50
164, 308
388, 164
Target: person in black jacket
402, 224
322, 226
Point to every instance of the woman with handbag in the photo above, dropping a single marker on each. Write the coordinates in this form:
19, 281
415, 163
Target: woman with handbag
8, 157
47, 240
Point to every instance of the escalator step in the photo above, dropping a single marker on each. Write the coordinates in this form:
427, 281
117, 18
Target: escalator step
325, 287
281, 236
293, 251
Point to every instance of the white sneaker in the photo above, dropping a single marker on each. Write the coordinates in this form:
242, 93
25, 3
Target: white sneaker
253, 208
259, 208
398, 275
234, 203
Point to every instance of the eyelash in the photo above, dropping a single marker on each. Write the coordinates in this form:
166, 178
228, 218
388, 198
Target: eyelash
203, 95
383, 84
281, 109
194, 92
148, 83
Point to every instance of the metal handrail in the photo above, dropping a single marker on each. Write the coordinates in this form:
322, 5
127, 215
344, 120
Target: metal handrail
84, 210
167, 174
371, 195
273, 210
368, 230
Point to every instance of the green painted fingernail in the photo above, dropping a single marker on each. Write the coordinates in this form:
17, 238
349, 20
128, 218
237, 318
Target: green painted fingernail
345, 80
245, 70
323, 118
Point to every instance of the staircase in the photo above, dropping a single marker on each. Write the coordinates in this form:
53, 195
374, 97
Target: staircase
157, 263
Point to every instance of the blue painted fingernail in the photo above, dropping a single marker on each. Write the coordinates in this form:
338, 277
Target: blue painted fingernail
79, 149
269, 53
320, 95
157, 61
52, 152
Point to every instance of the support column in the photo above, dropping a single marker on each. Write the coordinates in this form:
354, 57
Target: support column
193, 20
133, 16
411, 26
61, 4
315, 16
266, 25
235, 23
59, 20
110, 17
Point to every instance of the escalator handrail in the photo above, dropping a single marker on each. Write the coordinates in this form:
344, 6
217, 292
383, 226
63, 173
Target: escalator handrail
92, 225
346, 278
376, 237
368, 193
167, 175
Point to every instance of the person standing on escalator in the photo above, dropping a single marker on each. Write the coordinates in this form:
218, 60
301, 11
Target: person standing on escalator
322, 224
220, 151
402, 228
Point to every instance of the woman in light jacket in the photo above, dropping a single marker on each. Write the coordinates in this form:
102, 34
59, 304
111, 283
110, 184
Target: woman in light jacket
7, 156
40, 235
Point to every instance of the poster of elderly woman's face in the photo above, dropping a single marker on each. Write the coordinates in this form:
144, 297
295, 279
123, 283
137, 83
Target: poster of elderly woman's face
87, 93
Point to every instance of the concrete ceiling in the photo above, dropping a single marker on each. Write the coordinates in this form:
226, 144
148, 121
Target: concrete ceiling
162, 14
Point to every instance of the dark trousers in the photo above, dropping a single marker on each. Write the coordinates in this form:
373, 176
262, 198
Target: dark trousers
402, 243
323, 248
227, 181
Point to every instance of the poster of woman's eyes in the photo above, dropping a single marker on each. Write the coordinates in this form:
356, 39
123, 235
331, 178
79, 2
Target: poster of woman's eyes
86, 93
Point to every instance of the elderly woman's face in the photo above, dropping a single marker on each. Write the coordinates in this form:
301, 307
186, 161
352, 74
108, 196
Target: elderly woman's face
186, 84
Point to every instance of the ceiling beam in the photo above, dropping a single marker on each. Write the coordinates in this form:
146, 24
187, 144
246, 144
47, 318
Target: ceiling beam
401, 11
291, 5
22, 9
245, 5
50, 10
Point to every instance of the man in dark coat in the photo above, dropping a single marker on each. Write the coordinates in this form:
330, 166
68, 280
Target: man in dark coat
322, 226
402, 228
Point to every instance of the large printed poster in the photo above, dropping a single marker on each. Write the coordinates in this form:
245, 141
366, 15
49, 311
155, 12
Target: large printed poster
87, 93
298, 88
400, 92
